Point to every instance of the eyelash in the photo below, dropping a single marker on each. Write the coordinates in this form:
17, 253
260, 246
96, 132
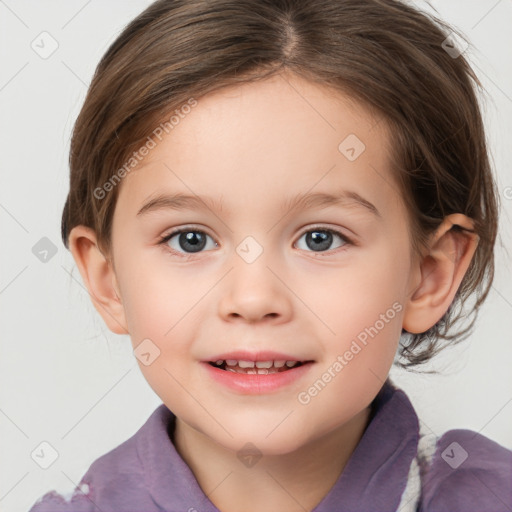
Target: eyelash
163, 240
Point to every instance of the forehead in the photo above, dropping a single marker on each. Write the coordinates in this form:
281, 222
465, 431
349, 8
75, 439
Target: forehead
265, 140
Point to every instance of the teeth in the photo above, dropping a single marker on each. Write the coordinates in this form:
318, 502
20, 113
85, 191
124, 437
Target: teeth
253, 367
264, 364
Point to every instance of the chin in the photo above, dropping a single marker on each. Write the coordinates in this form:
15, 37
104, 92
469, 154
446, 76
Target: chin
276, 443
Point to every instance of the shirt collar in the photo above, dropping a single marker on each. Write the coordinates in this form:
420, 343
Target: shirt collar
374, 477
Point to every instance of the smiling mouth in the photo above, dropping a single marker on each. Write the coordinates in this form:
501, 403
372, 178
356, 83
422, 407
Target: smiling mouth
256, 367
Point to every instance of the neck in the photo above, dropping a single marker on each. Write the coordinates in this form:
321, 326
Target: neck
291, 482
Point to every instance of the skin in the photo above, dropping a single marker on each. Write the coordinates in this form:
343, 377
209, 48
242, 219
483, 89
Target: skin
254, 146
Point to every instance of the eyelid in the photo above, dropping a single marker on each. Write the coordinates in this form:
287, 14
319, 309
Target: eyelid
165, 238
323, 227
162, 241
348, 240
306, 229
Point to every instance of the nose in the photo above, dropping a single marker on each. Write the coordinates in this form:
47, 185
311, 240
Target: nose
255, 292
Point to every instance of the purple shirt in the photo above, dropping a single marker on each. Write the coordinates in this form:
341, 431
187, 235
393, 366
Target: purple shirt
389, 470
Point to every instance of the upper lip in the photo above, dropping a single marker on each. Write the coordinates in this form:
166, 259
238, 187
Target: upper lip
261, 355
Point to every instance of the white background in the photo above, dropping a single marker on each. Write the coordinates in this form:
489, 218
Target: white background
65, 378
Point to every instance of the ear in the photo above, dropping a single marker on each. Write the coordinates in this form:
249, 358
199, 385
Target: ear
98, 275
441, 270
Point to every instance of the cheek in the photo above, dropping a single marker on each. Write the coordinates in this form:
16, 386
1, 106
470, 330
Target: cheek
162, 310
162, 302
355, 297
361, 309
150, 296
364, 316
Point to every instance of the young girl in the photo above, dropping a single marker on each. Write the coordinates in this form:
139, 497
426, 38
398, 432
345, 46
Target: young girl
277, 200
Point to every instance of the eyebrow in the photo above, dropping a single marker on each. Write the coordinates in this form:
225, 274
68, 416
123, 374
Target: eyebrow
303, 200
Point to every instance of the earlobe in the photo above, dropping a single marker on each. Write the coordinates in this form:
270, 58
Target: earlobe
442, 268
99, 277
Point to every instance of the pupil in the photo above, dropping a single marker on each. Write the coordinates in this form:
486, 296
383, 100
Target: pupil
195, 240
321, 240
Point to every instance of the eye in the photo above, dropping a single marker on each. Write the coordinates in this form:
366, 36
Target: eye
321, 239
187, 241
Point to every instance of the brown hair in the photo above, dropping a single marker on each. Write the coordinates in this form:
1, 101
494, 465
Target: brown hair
384, 53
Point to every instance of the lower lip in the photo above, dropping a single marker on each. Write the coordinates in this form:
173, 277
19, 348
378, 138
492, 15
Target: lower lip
255, 384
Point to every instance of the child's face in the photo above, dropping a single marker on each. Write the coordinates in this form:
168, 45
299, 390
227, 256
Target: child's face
307, 295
